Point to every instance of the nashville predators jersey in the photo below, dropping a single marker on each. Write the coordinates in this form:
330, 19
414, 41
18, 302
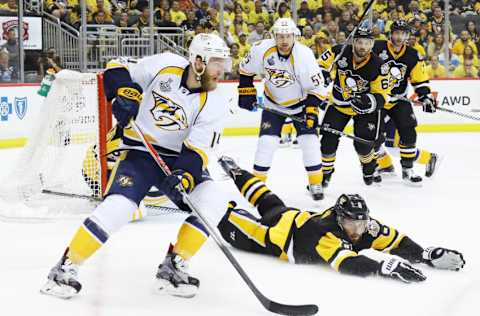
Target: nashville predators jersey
352, 79
403, 66
288, 79
171, 115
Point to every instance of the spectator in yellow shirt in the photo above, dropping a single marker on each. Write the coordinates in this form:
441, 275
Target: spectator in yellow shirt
235, 56
247, 3
380, 6
244, 47
177, 16
258, 14
307, 39
435, 69
467, 70
238, 20
460, 44
468, 54
282, 12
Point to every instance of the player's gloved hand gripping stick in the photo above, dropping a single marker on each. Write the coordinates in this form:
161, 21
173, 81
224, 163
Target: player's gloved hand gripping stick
270, 305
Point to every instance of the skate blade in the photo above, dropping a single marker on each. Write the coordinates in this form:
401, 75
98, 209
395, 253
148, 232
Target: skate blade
184, 290
61, 291
388, 174
413, 184
437, 166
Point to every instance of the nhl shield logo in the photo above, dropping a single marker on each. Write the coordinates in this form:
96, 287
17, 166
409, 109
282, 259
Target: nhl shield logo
20, 107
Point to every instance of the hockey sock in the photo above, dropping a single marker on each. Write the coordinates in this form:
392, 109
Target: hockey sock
86, 241
328, 162
423, 156
191, 237
384, 160
408, 154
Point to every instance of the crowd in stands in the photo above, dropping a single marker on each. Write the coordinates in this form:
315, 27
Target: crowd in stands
323, 23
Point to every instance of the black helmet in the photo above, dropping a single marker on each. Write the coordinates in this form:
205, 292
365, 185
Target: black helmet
352, 206
363, 32
400, 25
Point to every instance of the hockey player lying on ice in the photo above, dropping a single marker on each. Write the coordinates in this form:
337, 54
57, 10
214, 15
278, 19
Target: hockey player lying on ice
335, 235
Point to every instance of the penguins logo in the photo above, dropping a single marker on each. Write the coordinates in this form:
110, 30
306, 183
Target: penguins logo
396, 73
167, 114
280, 78
350, 84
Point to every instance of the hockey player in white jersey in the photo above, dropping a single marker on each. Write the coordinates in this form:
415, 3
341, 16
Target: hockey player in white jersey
176, 103
293, 85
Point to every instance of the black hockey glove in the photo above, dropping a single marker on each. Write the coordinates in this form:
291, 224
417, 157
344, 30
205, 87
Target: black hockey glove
247, 97
126, 104
429, 104
364, 103
311, 116
327, 79
400, 270
171, 182
442, 258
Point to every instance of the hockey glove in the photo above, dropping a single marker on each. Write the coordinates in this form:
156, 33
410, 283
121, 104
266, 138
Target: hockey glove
442, 258
400, 270
126, 104
327, 79
429, 104
173, 183
364, 103
247, 97
311, 116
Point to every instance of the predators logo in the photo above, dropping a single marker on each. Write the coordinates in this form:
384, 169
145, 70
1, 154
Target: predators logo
350, 84
396, 73
167, 114
280, 78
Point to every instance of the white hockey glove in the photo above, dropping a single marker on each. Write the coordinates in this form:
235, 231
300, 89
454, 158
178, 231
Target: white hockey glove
442, 258
400, 270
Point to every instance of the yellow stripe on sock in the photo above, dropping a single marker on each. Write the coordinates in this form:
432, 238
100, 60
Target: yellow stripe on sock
258, 194
315, 177
424, 157
189, 240
82, 246
385, 161
248, 184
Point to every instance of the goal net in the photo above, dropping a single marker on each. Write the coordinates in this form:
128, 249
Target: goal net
65, 153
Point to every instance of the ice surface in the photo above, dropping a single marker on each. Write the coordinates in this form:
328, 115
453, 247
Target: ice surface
118, 280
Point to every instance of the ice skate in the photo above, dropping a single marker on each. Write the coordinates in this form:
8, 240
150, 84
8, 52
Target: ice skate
172, 277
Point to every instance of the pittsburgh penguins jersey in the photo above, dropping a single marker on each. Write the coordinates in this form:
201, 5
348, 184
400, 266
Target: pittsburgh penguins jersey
171, 115
406, 65
288, 80
315, 237
351, 79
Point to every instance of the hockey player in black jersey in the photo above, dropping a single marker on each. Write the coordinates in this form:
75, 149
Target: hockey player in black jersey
334, 236
359, 92
405, 64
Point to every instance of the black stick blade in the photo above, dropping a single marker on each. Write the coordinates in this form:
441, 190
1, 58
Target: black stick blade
291, 310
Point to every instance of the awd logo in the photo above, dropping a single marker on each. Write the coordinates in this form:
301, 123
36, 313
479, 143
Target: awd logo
5, 109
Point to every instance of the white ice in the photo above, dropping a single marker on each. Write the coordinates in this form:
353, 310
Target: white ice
118, 280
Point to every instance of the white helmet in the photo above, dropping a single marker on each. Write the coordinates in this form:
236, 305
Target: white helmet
206, 46
285, 26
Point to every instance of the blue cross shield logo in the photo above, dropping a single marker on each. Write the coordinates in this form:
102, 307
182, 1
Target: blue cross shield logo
20, 107
5, 109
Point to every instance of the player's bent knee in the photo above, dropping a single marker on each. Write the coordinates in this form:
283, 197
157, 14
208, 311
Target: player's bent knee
114, 212
211, 199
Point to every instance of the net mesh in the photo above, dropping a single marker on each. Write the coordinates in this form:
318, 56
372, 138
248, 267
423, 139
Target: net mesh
61, 155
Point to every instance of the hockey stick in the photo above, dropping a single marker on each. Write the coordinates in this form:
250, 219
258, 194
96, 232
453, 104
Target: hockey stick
323, 128
270, 305
352, 33
152, 209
